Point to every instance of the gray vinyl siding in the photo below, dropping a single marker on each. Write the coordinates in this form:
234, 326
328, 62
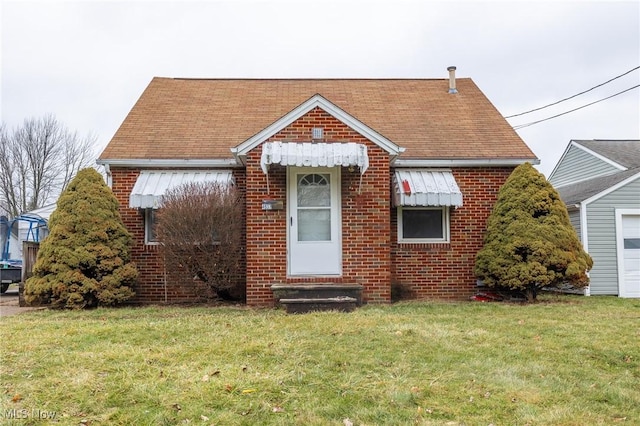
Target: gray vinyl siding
574, 218
602, 236
578, 165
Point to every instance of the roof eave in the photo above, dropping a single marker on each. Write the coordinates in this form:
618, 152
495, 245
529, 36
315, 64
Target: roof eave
611, 189
239, 161
464, 162
170, 162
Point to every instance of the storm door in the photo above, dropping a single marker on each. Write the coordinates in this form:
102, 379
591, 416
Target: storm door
314, 221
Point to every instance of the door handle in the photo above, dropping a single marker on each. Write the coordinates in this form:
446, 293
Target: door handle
290, 220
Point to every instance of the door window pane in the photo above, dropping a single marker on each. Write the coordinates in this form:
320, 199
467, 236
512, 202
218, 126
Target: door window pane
314, 191
314, 225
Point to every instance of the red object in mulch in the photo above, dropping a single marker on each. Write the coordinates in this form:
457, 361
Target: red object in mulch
487, 297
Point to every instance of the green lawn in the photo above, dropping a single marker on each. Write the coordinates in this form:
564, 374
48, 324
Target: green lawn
568, 360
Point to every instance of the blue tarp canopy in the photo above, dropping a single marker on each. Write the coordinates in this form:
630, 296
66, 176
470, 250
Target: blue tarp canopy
33, 233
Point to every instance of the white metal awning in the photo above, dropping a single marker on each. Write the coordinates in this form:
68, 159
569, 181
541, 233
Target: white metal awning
153, 184
307, 154
420, 187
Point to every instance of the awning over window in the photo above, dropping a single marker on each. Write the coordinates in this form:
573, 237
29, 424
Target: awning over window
307, 154
415, 187
153, 184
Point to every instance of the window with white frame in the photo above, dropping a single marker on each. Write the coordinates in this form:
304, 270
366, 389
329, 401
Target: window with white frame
150, 226
423, 224
150, 221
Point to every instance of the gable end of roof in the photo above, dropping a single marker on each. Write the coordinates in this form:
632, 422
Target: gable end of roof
601, 156
601, 150
316, 101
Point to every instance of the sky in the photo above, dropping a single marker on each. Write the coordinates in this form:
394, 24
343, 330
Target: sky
87, 62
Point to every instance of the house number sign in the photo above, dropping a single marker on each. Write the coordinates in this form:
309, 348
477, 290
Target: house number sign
272, 205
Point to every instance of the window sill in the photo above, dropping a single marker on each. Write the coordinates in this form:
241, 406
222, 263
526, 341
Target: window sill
407, 245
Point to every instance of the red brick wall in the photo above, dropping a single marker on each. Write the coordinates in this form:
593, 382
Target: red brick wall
266, 231
371, 255
365, 228
445, 271
365, 217
154, 285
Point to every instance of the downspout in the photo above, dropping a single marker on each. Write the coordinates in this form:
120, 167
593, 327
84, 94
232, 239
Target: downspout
164, 276
164, 279
107, 170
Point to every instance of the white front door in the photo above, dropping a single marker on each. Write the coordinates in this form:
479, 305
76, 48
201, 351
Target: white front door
314, 221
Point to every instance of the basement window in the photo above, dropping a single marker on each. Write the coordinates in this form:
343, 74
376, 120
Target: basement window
423, 224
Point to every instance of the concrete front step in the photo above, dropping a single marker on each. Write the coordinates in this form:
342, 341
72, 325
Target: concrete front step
317, 291
301, 306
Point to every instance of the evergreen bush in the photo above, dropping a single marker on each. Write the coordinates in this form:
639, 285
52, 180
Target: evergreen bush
85, 261
530, 243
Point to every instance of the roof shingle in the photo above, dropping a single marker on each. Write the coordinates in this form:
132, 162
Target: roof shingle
624, 152
205, 118
581, 191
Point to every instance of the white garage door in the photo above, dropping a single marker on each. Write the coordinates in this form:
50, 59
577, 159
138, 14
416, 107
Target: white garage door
631, 256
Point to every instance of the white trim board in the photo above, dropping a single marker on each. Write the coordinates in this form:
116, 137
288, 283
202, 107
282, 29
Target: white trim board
318, 101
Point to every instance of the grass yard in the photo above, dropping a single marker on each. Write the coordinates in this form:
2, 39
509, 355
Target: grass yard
568, 360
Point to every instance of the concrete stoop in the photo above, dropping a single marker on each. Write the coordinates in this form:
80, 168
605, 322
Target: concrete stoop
302, 298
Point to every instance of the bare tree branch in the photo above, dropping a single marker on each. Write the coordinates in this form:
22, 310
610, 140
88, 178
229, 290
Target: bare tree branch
8, 202
37, 161
79, 153
200, 228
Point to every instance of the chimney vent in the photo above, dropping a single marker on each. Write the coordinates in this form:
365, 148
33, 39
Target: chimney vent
452, 79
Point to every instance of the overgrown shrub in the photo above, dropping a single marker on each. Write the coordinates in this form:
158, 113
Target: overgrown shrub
85, 260
200, 226
530, 243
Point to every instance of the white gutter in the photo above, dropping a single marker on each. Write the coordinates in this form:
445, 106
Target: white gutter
239, 158
237, 162
142, 162
476, 162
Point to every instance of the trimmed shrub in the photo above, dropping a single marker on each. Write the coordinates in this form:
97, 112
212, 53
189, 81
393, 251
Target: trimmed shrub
530, 243
85, 260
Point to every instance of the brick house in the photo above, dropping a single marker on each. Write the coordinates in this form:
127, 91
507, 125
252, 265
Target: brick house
385, 184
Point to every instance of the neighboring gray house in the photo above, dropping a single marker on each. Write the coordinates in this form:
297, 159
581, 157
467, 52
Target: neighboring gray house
599, 181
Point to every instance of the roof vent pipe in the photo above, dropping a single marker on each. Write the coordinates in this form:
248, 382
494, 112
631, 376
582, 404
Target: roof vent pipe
452, 79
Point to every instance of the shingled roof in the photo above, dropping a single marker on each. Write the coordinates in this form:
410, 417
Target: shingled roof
624, 152
204, 118
581, 191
